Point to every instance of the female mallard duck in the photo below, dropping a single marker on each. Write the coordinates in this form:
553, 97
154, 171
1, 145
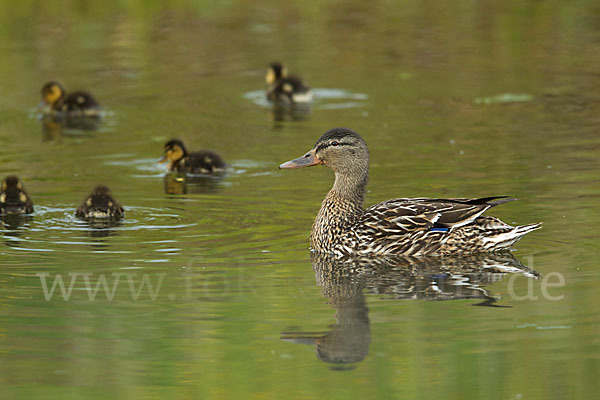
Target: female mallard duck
284, 88
418, 226
13, 197
100, 204
76, 104
198, 162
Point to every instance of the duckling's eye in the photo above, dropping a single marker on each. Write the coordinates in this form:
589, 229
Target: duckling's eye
334, 143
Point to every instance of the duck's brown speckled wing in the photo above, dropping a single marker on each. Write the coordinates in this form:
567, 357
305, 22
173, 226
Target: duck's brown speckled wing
429, 212
452, 212
415, 225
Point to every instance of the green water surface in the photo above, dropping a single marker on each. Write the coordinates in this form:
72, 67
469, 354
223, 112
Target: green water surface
212, 291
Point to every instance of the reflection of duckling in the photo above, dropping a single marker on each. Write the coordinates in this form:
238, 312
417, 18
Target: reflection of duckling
13, 197
100, 204
199, 162
285, 88
193, 184
72, 104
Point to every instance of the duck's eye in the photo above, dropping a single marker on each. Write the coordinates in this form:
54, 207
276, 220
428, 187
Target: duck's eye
334, 143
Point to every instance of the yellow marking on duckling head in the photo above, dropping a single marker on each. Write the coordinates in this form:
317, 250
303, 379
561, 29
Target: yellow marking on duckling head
80, 99
3, 198
110, 203
22, 197
174, 153
19, 185
52, 94
4, 186
270, 77
88, 202
284, 72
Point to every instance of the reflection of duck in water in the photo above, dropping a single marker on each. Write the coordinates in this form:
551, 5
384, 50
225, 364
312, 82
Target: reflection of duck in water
292, 114
12, 222
418, 226
198, 162
348, 339
53, 127
183, 184
285, 89
344, 281
14, 198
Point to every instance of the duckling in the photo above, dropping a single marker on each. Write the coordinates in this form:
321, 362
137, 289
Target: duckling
13, 197
100, 204
284, 88
405, 226
198, 162
76, 104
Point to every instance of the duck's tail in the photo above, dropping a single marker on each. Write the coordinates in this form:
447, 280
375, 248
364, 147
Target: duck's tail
507, 239
483, 235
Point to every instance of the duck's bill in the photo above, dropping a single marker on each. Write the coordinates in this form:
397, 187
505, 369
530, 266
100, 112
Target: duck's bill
307, 160
162, 159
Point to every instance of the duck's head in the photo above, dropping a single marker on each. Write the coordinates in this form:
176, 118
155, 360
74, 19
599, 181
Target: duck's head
275, 72
52, 92
341, 149
174, 151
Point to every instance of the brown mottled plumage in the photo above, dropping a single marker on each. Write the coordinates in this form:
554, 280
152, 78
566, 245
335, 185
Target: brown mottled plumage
407, 226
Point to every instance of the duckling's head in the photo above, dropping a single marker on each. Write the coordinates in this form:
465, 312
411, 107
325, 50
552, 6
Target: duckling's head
13, 197
275, 72
11, 182
174, 151
101, 190
100, 204
52, 92
341, 149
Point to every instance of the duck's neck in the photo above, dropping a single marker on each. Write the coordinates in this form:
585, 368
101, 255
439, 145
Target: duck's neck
350, 188
179, 164
340, 209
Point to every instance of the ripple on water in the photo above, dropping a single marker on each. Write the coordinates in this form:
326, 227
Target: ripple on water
323, 99
77, 126
151, 168
56, 228
147, 167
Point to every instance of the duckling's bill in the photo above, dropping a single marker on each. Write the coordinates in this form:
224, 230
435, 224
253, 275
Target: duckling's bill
307, 160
